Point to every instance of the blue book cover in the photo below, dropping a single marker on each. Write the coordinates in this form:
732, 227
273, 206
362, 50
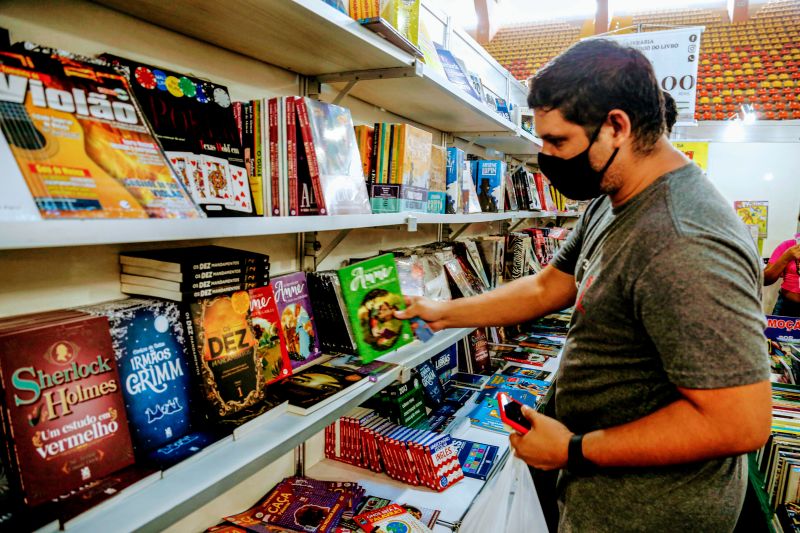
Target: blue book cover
477, 459
455, 73
486, 415
433, 393
445, 363
516, 387
489, 182
149, 345
455, 171
437, 201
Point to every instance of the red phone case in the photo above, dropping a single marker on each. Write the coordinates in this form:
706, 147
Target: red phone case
502, 399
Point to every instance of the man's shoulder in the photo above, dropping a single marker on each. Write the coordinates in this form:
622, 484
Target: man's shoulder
696, 206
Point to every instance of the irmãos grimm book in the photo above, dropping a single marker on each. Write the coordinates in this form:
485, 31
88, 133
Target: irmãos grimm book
371, 291
148, 340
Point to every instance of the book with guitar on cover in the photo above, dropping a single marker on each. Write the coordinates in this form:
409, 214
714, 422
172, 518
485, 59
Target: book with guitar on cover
81, 145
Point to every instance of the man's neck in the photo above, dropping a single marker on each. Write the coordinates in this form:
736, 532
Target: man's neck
663, 159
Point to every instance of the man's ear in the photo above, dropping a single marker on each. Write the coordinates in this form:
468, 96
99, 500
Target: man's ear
618, 124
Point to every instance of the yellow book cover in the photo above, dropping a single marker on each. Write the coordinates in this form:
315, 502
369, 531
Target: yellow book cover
438, 181
256, 177
386, 151
81, 143
398, 138
416, 157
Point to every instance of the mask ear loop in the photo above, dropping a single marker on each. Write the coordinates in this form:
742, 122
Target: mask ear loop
610, 159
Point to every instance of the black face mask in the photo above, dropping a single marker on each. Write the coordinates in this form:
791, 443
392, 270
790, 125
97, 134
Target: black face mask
574, 177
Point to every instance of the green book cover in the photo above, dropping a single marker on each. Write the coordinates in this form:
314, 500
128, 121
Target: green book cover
371, 291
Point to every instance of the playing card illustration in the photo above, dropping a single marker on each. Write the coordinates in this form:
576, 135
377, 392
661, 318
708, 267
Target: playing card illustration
217, 175
183, 167
240, 184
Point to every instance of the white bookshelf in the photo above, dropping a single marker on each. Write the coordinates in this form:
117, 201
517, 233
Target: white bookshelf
304, 36
163, 502
314, 39
64, 233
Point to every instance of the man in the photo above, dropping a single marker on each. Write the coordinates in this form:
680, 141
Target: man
663, 378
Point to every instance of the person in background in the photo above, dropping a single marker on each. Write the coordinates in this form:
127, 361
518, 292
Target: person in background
784, 263
664, 378
670, 112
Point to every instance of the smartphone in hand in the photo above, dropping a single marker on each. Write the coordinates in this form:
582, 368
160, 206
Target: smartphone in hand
511, 413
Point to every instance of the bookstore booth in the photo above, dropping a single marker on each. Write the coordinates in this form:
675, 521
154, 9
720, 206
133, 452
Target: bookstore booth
333, 266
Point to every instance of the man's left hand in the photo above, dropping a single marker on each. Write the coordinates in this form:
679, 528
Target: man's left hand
545, 445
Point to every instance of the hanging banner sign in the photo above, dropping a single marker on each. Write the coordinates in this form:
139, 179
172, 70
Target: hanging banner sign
675, 55
697, 151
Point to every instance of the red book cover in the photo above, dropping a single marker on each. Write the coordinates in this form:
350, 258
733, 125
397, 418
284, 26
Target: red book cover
63, 405
271, 352
274, 169
311, 154
537, 177
291, 154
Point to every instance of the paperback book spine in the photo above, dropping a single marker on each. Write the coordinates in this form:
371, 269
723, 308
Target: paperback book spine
311, 154
291, 153
274, 169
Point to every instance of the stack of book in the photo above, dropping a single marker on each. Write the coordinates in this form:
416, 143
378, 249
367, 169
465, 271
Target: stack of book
185, 274
413, 456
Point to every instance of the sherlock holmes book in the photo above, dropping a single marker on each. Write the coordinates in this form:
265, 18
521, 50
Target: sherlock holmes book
63, 403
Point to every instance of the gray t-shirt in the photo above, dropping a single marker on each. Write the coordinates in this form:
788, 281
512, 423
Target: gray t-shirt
668, 296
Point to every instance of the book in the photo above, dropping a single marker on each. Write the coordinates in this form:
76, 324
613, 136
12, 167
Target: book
150, 351
62, 404
102, 161
428, 48
225, 361
454, 72
297, 318
437, 191
315, 387
333, 157
477, 352
445, 363
333, 327
371, 291
198, 259
469, 196
454, 178
477, 460
390, 518
193, 119
486, 415
490, 182
467, 380
413, 166
431, 386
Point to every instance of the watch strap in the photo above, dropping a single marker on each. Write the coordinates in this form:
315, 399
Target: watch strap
576, 462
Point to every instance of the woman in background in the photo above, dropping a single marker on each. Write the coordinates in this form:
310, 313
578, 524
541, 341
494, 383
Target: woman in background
783, 263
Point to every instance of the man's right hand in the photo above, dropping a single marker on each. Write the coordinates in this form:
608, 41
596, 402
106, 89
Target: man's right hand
430, 311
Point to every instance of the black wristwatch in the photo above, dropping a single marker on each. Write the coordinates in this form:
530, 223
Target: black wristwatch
576, 462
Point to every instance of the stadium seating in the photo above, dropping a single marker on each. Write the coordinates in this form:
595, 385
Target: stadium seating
754, 63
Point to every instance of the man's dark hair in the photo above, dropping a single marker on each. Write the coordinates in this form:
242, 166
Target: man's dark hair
670, 111
594, 76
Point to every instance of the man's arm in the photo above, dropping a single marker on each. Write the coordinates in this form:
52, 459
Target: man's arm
523, 299
703, 424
